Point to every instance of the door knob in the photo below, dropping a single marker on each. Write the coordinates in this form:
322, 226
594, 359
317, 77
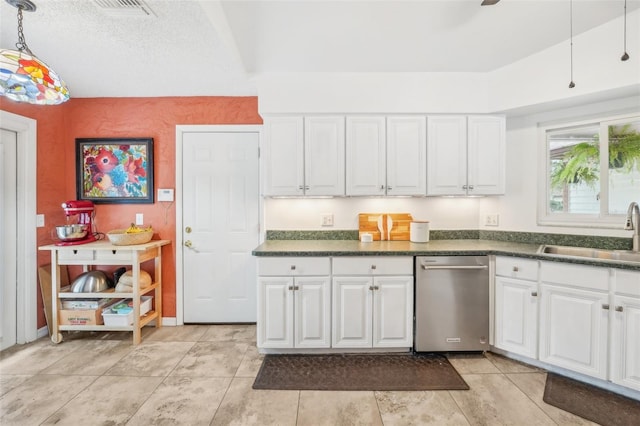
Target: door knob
187, 229
188, 243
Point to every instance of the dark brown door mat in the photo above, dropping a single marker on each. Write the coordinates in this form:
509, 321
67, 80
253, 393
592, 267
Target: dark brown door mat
590, 402
384, 372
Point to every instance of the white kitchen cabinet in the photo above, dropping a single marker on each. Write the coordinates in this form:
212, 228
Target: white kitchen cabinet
516, 307
465, 155
294, 303
283, 156
366, 156
574, 317
625, 341
372, 302
304, 156
406, 155
386, 156
324, 156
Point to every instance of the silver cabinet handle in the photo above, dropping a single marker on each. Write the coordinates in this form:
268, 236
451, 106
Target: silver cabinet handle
370, 287
300, 187
471, 187
605, 306
428, 267
306, 187
464, 186
374, 287
290, 287
373, 266
619, 309
516, 269
389, 188
293, 267
294, 287
381, 187
534, 293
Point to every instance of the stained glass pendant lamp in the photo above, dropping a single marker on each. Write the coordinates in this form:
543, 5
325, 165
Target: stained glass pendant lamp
24, 77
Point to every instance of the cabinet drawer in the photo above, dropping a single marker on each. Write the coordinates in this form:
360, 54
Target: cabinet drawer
75, 254
582, 276
107, 255
373, 265
294, 266
514, 267
627, 282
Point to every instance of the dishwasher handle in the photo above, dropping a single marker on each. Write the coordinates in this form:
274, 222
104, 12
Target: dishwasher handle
467, 267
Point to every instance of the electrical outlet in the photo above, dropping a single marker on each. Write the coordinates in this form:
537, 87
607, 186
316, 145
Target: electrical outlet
491, 220
139, 219
39, 220
327, 219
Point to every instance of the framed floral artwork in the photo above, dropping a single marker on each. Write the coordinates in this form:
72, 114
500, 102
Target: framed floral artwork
114, 170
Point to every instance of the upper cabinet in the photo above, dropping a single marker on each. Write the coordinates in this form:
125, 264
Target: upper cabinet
465, 155
377, 155
366, 156
406, 156
324, 155
283, 156
303, 156
386, 156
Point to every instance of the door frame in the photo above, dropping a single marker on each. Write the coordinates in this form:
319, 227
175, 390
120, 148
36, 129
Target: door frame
27, 259
180, 131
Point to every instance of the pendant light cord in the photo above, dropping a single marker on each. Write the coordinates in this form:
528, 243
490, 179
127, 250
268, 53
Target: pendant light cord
625, 55
22, 43
571, 83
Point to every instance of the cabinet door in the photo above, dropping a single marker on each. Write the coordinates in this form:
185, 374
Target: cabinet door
486, 155
312, 312
393, 312
446, 155
517, 316
324, 154
283, 156
573, 329
366, 156
275, 312
625, 362
406, 156
352, 312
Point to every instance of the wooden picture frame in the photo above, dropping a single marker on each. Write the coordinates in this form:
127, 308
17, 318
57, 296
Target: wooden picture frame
114, 170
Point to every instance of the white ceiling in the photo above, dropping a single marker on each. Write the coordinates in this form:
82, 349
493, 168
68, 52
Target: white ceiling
209, 47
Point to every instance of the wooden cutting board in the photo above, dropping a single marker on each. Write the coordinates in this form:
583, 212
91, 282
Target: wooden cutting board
385, 226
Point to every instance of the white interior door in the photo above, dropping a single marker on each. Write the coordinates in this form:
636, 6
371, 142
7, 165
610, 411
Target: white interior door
8, 238
220, 226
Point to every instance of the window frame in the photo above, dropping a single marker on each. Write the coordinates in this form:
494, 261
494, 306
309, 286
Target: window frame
601, 220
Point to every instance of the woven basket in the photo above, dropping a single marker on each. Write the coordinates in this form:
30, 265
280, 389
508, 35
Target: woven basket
119, 237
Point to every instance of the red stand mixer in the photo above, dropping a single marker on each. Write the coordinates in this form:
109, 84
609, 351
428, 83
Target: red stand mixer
80, 232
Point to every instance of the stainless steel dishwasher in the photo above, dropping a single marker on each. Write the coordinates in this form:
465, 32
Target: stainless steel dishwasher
452, 303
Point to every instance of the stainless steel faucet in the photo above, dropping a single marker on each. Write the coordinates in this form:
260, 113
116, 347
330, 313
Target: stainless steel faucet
633, 223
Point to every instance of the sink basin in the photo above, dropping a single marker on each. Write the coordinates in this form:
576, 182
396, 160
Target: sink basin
621, 255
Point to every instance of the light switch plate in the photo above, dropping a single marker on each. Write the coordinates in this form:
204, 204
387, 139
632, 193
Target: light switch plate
165, 194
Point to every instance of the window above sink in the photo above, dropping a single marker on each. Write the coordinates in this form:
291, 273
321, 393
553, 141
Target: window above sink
592, 172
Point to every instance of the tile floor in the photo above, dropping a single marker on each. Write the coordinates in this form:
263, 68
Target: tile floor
202, 375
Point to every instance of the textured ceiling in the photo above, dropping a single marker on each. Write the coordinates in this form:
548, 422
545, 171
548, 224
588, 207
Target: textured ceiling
212, 47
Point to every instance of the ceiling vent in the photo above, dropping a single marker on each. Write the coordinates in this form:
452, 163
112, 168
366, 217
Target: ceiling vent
124, 7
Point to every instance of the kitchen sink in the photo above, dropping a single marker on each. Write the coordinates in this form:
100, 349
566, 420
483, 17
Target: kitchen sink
621, 255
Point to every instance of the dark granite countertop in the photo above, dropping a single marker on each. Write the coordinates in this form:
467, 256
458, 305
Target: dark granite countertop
473, 247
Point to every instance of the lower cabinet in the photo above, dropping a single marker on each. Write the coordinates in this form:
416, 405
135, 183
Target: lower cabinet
372, 312
294, 303
574, 318
516, 307
372, 302
625, 341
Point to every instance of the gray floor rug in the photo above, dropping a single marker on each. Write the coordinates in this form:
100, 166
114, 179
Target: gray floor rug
408, 372
591, 403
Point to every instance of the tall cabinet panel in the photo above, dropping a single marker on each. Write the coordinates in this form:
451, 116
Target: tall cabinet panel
366, 156
324, 155
406, 156
486, 155
447, 155
283, 156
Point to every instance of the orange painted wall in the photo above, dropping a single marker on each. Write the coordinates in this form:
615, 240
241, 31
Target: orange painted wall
58, 126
